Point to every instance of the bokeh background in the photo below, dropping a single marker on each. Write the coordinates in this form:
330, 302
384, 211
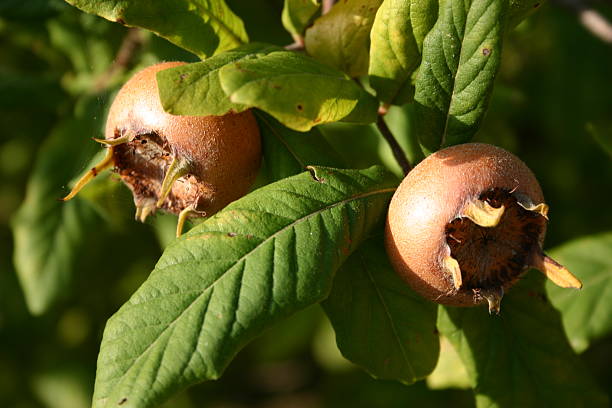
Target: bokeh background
59, 67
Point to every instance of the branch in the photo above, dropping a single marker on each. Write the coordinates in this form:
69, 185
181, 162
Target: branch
327, 5
131, 42
591, 19
398, 153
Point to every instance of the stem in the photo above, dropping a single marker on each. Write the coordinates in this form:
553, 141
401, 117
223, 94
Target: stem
297, 45
591, 19
127, 50
327, 5
398, 153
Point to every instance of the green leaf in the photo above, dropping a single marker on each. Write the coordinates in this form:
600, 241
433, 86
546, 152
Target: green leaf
423, 16
520, 358
287, 152
297, 90
521, 9
461, 56
195, 89
49, 233
450, 371
586, 313
262, 258
341, 37
203, 27
298, 14
395, 52
380, 323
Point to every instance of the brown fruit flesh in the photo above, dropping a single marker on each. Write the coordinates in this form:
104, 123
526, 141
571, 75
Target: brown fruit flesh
223, 151
434, 194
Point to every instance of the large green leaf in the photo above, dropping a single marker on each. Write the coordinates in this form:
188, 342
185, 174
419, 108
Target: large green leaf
461, 56
195, 89
298, 14
380, 323
262, 258
297, 90
287, 152
49, 233
396, 41
521, 358
203, 27
587, 314
341, 37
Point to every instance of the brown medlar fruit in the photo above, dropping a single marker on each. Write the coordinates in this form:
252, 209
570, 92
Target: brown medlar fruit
466, 223
185, 165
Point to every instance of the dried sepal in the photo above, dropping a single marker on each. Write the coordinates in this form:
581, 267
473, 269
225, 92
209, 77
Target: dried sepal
117, 141
106, 163
493, 297
184, 215
481, 213
451, 266
554, 271
144, 208
525, 202
177, 169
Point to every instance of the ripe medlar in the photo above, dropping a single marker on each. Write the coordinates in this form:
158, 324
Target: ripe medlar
185, 165
466, 223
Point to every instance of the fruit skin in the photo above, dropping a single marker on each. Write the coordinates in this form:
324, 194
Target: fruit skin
432, 195
224, 152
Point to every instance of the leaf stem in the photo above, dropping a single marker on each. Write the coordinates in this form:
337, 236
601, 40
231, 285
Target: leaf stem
398, 153
130, 45
591, 19
327, 5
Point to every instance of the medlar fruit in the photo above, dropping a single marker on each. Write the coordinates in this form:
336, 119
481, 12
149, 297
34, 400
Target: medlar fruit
185, 165
466, 223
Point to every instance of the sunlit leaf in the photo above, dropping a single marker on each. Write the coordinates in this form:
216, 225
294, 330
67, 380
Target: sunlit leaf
380, 323
262, 258
587, 314
298, 91
203, 27
298, 14
341, 37
520, 358
450, 371
461, 56
395, 51
195, 89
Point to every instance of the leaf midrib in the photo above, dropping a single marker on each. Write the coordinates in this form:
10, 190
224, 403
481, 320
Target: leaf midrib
237, 262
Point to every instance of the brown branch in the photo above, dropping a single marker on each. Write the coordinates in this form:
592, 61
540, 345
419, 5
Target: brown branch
591, 19
131, 43
397, 150
297, 45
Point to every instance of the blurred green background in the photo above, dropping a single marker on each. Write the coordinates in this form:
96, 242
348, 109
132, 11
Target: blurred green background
552, 105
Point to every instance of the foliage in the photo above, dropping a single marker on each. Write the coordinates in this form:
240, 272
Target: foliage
237, 297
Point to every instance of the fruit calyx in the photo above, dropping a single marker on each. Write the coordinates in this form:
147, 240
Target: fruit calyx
191, 166
493, 241
150, 168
